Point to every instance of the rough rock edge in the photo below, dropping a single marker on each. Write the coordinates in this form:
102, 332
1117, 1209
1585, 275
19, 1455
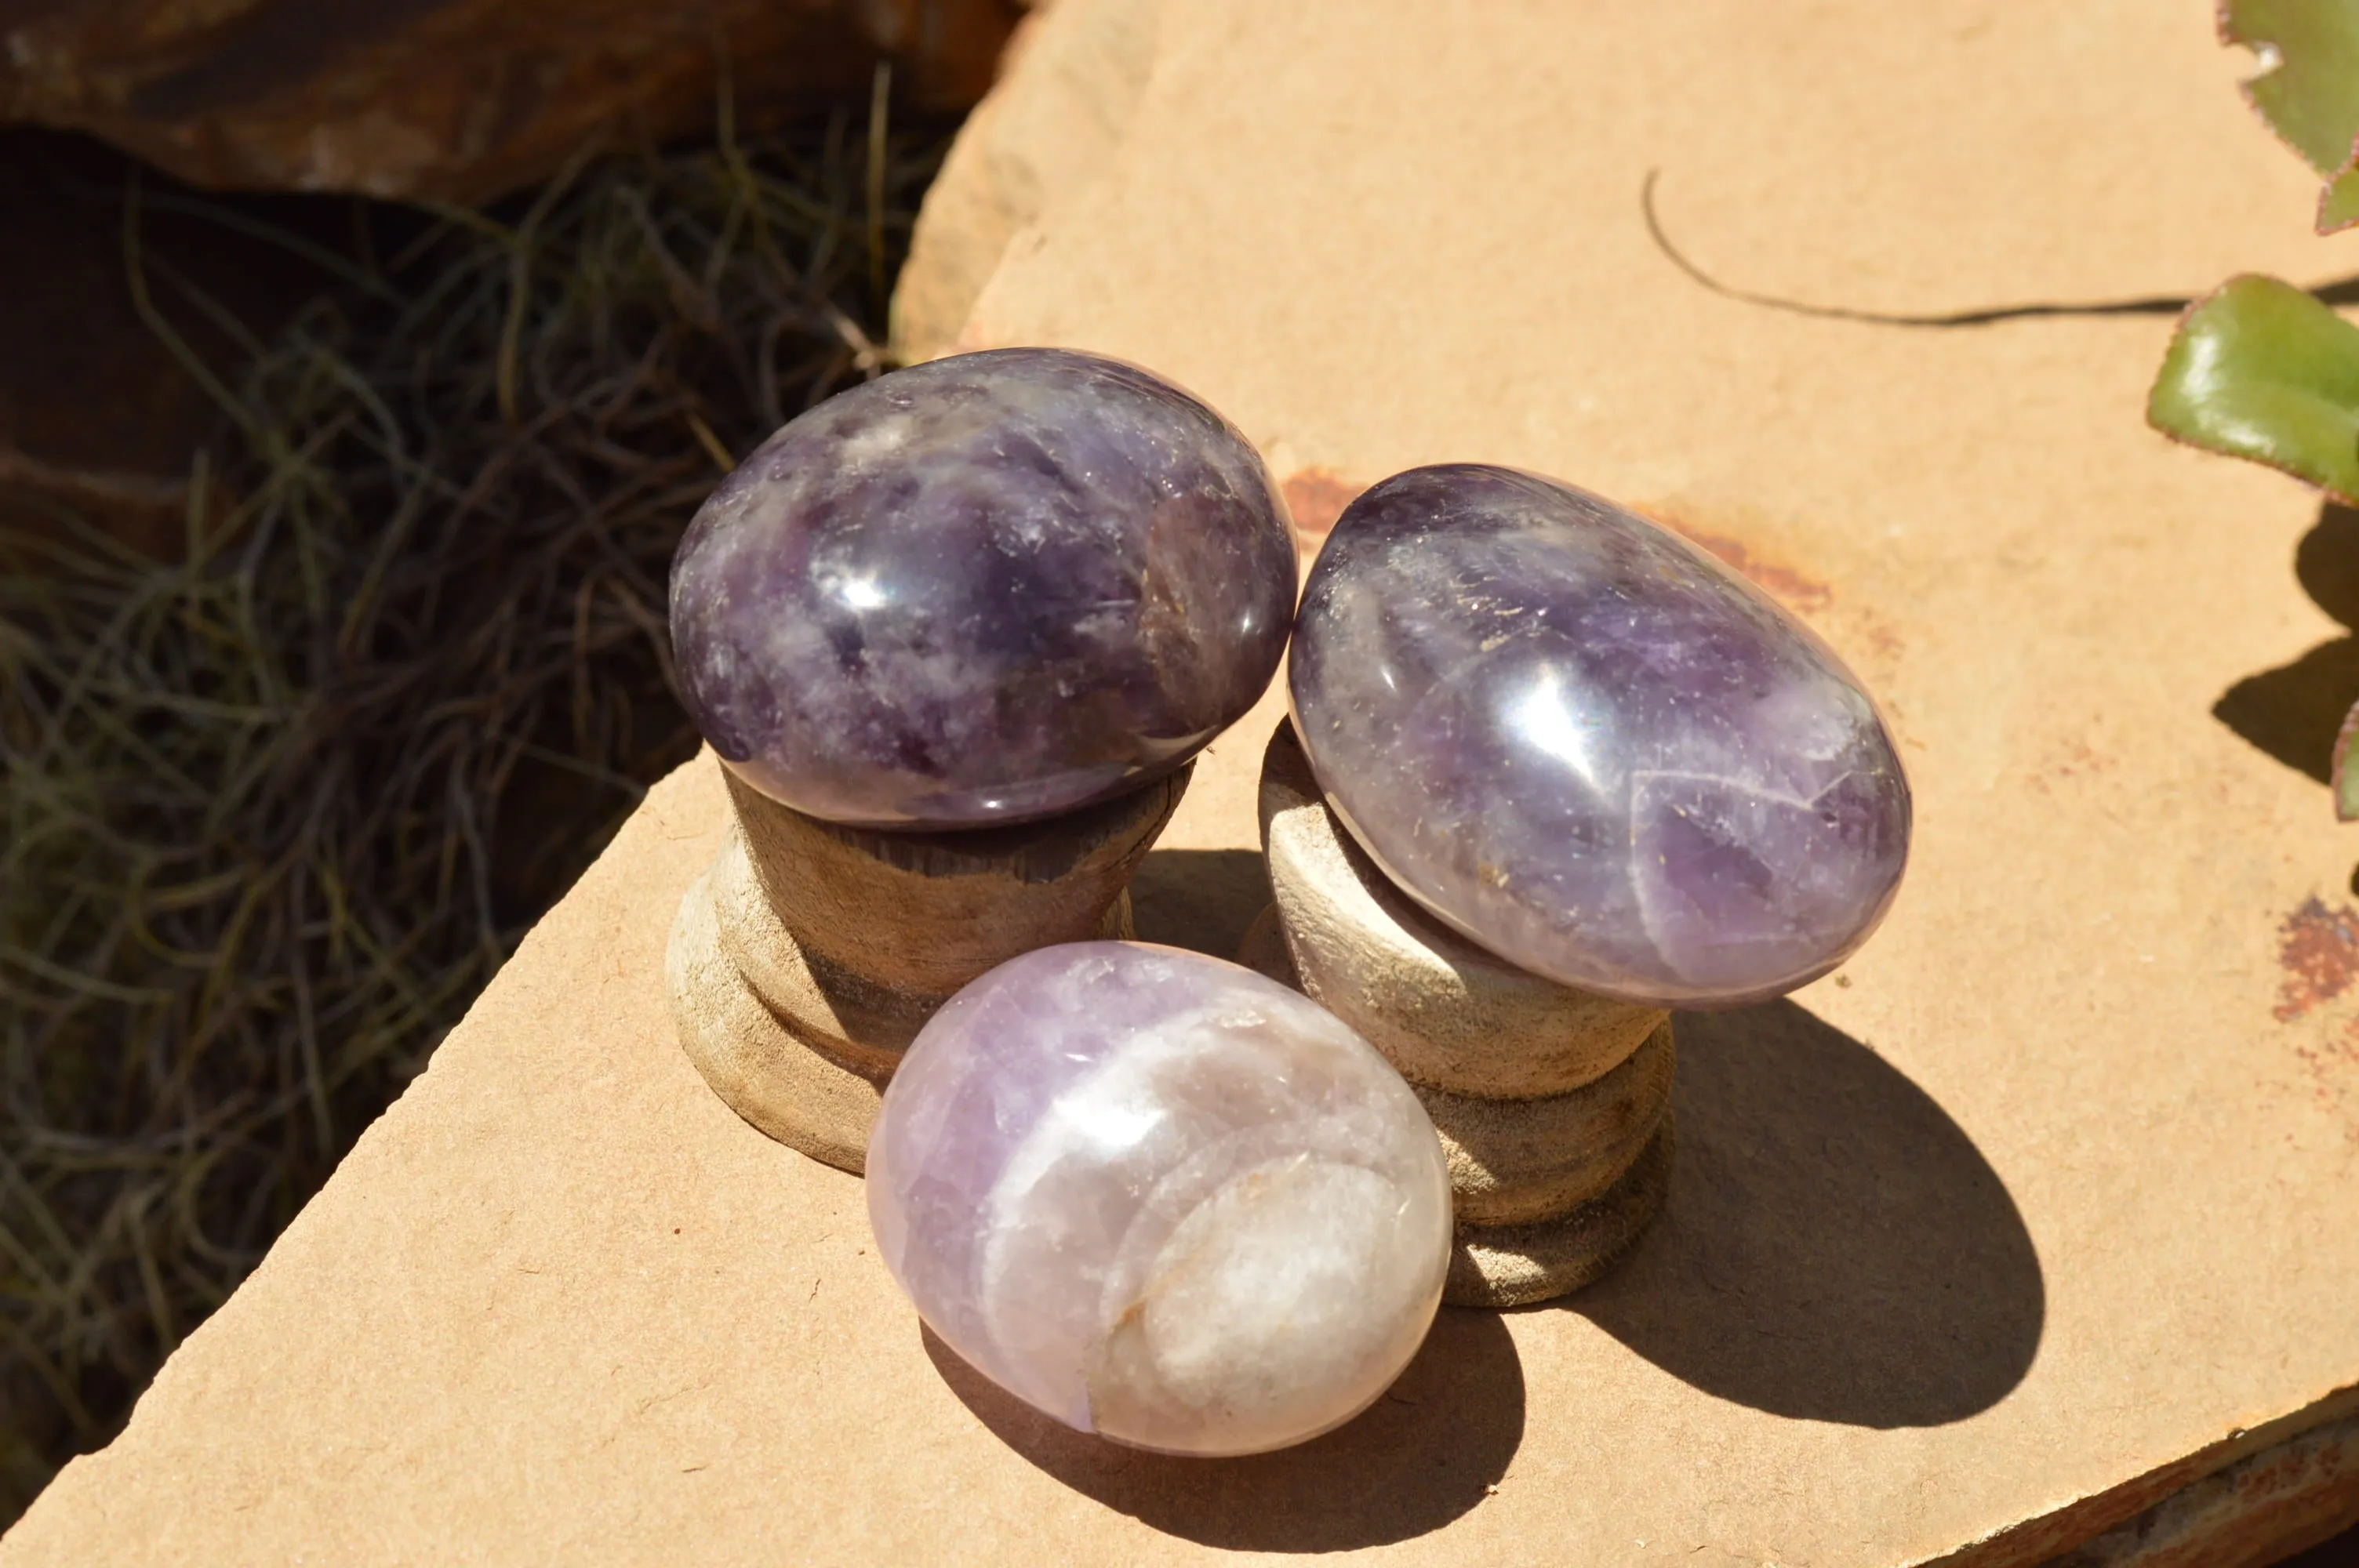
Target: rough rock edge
1070, 84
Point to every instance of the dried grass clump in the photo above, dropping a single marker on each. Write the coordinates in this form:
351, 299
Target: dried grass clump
276, 813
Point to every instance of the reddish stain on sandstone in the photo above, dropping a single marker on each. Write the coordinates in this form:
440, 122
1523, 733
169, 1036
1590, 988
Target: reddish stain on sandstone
1317, 497
1781, 582
2318, 948
2331, 1064
2074, 759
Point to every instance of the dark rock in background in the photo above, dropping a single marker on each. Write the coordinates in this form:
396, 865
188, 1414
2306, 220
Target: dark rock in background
99, 419
459, 99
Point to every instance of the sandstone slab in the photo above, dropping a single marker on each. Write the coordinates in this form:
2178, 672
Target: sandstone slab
1984, 1249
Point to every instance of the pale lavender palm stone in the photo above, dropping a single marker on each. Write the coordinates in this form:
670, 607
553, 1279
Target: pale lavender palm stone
1591, 747
982, 589
1161, 1198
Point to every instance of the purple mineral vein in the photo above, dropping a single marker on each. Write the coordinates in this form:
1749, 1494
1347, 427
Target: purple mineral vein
1591, 747
984, 590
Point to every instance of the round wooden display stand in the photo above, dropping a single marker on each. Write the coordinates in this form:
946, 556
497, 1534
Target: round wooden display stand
1554, 1104
809, 955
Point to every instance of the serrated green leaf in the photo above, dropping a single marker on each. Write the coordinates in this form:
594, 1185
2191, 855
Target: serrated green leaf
2338, 204
2308, 89
2261, 370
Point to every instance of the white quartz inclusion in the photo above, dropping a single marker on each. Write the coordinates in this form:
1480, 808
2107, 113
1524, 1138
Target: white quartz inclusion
1161, 1198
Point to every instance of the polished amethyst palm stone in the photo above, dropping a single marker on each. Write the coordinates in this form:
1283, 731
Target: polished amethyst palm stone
982, 590
1161, 1198
1591, 747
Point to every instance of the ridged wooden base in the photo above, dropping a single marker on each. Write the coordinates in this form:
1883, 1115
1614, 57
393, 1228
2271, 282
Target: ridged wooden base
808, 957
1515, 1265
803, 1099
1553, 1105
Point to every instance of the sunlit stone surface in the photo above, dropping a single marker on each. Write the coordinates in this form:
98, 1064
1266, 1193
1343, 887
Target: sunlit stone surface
1589, 746
1161, 1198
982, 589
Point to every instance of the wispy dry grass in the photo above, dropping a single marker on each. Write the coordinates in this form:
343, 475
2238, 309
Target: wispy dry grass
273, 814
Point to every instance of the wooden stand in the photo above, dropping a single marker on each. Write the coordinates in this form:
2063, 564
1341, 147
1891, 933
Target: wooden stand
808, 957
1554, 1104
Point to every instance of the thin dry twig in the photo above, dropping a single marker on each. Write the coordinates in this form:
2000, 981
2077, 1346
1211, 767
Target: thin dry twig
1980, 315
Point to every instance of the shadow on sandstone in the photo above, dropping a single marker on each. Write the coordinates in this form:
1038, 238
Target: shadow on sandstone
1198, 899
1834, 1247
2294, 712
1424, 1454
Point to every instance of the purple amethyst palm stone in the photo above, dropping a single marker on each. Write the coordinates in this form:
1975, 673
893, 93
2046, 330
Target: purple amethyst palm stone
982, 590
1591, 747
1161, 1198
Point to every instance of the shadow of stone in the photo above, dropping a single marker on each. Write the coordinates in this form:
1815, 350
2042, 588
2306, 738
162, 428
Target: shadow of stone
2294, 712
1198, 899
1834, 1247
1426, 1452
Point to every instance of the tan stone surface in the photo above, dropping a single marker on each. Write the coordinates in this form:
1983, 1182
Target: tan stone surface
2035, 1215
1085, 65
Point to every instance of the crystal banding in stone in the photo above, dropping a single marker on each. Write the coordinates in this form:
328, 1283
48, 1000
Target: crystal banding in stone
1161, 1198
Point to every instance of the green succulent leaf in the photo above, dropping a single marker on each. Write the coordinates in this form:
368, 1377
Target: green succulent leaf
2261, 370
2346, 777
2338, 204
2308, 88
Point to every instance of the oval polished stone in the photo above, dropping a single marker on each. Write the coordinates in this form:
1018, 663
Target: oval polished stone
982, 590
1161, 1198
1589, 746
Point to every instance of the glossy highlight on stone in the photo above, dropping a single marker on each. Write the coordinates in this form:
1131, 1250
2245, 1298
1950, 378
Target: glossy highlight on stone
1591, 747
982, 590
1161, 1198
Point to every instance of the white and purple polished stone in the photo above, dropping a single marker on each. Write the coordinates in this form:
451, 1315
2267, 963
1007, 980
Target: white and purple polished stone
1591, 747
1161, 1198
984, 590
